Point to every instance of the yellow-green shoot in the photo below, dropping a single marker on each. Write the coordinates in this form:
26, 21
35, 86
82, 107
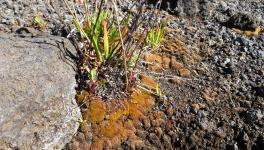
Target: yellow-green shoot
38, 21
101, 31
155, 35
158, 90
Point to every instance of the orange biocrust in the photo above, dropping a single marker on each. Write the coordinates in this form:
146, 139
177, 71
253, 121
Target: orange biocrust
113, 122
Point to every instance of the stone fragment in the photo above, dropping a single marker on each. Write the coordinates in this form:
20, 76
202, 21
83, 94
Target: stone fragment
37, 105
180, 7
242, 21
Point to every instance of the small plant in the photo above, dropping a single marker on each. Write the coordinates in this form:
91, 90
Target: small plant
81, 120
93, 74
111, 41
102, 31
158, 90
133, 61
39, 22
106, 38
155, 35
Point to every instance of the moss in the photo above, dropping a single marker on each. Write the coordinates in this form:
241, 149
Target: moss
111, 129
117, 114
134, 112
96, 112
148, 81
143, 99
115, 121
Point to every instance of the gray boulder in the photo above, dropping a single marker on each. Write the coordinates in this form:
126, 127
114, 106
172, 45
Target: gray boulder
37, 89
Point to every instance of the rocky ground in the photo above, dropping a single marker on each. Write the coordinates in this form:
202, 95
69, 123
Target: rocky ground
210, 67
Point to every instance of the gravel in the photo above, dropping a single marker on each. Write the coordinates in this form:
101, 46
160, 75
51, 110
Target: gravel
231, 64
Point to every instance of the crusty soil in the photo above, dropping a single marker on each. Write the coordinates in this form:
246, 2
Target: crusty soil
211, 77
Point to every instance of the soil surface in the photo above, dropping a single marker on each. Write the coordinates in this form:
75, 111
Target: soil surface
211, 71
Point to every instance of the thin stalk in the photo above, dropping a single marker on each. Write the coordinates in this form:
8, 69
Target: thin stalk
76, 20
122, 44
147, 90
140, 51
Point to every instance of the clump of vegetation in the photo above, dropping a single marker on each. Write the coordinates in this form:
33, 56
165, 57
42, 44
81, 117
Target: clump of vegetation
112, 39
39, 22
155, 35
107, 40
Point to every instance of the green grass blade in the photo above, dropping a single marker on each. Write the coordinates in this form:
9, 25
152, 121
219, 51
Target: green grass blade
95, 43
93, 73
106, 42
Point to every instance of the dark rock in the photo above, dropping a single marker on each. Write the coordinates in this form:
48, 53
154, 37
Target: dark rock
253, 115
242, 21
259, 143
37, 105
231, 147
179, 7
259, 91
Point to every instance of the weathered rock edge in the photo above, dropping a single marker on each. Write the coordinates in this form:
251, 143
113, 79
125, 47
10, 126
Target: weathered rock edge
37, 89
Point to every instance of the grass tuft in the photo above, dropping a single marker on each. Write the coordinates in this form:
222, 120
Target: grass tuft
39, 22
155, 35
111, 39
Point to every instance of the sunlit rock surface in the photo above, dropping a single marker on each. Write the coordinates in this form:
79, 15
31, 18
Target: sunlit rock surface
37, 89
